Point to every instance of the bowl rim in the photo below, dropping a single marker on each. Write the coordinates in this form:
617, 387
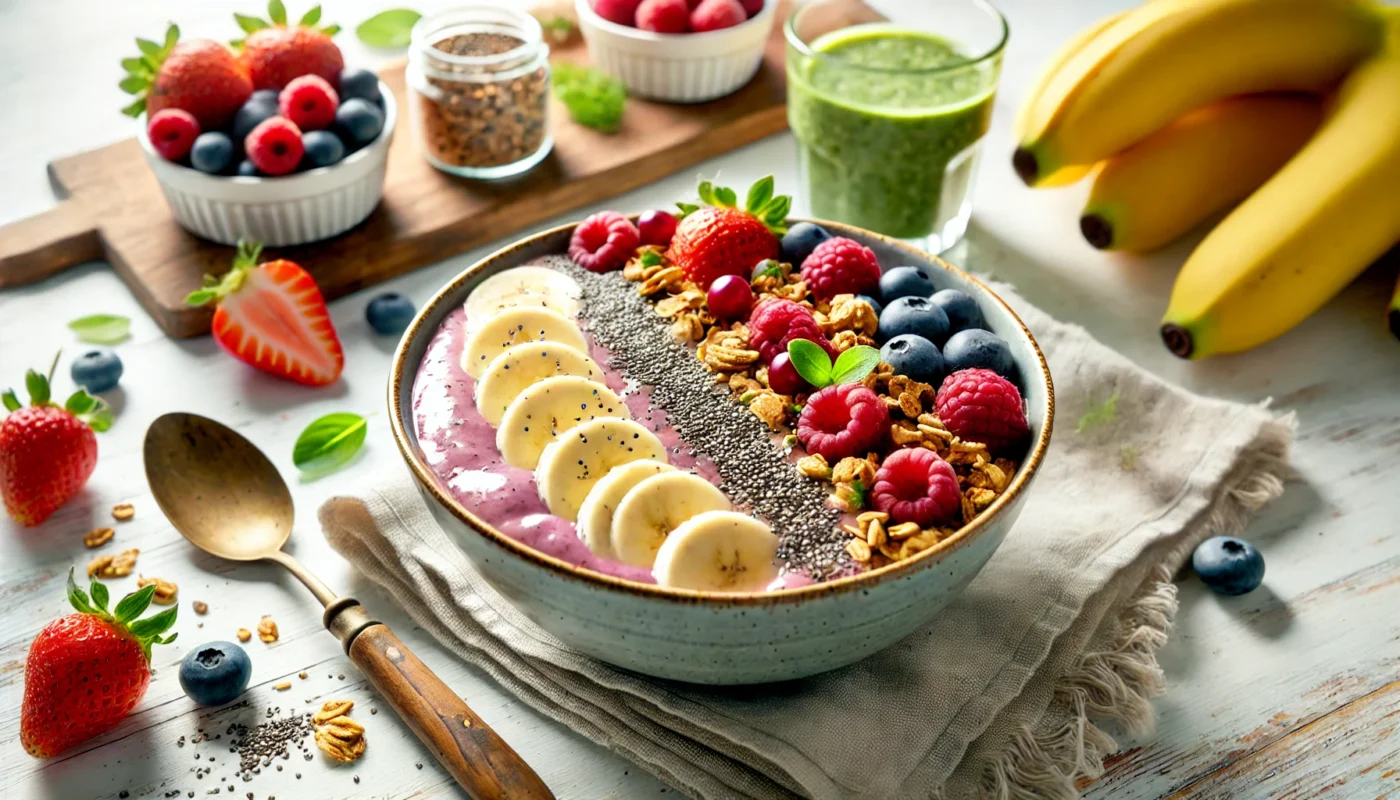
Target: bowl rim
426, 479
585, 10
366, 151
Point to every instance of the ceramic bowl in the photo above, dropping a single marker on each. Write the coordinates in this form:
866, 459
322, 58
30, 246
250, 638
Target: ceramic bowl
712, 638
282, 211
677, 67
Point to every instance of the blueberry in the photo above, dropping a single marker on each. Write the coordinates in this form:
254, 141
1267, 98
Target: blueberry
979, 349
215, 673
800, 240
875, 304
1228, 565
359, 121
389, 313
914, 315
252, 113
212, 152
97, 370
247, 169
906, 282
915, 357
359, 83
263, 97
963, 312
323, 149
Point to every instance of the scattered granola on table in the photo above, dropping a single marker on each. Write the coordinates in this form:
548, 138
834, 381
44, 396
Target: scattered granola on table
122, 512
97, 537
244, 634
166, 591
267, 629
338, 736
113, 566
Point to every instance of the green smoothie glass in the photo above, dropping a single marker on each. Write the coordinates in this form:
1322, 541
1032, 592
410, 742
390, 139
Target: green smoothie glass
889, 102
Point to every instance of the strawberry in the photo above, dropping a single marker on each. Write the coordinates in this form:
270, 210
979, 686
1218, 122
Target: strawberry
719, 239
86, 671
275, 53
273, 317
47, 453
200, 76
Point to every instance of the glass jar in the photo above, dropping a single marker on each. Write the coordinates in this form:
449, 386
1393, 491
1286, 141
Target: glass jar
478, 86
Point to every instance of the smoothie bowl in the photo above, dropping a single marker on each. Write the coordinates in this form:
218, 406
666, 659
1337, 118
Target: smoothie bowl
665, 487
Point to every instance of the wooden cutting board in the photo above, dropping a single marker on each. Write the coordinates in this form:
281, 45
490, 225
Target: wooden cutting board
113, 208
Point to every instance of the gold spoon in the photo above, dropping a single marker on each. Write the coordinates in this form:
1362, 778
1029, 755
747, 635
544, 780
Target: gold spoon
224, 496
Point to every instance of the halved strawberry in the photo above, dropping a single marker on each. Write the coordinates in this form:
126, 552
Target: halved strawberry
273, 317
721, 239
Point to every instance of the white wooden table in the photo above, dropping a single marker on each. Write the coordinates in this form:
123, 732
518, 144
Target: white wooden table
1287, 691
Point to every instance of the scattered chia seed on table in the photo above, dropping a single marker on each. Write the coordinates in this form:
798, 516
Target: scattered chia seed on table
753, 471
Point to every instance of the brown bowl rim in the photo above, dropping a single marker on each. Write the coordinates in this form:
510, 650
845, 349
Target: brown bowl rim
964, 535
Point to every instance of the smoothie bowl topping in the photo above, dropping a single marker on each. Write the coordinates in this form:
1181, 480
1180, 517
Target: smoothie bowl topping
721, 402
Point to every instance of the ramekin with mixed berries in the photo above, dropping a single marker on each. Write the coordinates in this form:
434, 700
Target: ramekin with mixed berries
272, 139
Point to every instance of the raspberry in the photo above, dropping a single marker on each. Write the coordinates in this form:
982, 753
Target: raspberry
842, 421
663, 16
979, 405
915, 485
604, 242
310, 102
711, 15
776, 322
275, 146
841, 266
172, 133
623, 12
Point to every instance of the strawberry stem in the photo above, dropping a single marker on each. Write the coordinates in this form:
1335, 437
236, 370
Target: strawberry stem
245, 258
125, 616
759, 202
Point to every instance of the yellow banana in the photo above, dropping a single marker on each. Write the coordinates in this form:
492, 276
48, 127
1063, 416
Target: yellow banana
1306, 233
1169, 56
1196, 167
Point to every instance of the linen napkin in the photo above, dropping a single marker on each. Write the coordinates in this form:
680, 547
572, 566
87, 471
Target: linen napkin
1003, 695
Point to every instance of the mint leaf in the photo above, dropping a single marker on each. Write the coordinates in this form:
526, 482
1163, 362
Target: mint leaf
854, 364
1102, 414
651, 258
811, 362
134, 604
388, 28
12, 402
249, 24
276, 12
329, 443
38, 387
311, 17
767, 267
101, 328
594, 99
759, 194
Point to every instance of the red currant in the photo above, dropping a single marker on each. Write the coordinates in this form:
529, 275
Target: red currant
783, 377
730, 297
657, 227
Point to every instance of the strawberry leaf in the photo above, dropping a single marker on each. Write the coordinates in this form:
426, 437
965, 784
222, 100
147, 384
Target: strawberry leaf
172, 35
80, 403
134, 84
134, 604
38, 387
759, 195
148, 48
136, 66
706, 190
811, 362
99, 595
200, 297
101, 421
101, 328
136, 109
276, 12
249, 24
687, 209
311, 17
854, 364
726, 196
11, 402
329, 443
328, 30
150, 627
77, 597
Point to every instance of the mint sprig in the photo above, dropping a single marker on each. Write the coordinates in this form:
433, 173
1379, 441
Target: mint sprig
329, 443
770, 209
815, 366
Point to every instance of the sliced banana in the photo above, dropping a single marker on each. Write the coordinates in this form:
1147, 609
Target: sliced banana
718, 551
523, 366
517, 326
595, 516
582, 455
538, 287
546, 409
655, 507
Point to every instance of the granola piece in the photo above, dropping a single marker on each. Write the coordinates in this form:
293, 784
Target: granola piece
121, 512
97, 537
244, 634
267, 629
332, 709
852, 499
770, 408
904, 434
839, 503
637, 268
859, 551
338, 736
165, 590
727, 350
740, 382
875, 533
201, 607
664, 279
902, 531
849, 314
853, 469
797, 292
814, 466
687, 328
117, 566
688, 300
283, 686
844, 340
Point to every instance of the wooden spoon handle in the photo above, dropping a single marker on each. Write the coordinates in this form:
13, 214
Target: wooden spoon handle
485, 766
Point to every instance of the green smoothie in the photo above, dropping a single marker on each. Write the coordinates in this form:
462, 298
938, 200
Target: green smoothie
887, 120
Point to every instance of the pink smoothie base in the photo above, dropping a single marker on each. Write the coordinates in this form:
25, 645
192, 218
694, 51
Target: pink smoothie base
460, 448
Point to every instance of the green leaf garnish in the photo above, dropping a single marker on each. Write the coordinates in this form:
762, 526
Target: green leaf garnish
766, 268
1104, 413
101, 328
329, 443
594, 99
388, 28
650, 258
854, 364
857, 494
811, 362
276, 12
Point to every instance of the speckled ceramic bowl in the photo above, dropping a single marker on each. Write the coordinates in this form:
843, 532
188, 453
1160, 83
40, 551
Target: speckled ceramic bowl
711, 638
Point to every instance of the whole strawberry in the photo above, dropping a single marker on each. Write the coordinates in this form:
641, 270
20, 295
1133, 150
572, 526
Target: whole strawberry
719, 238
200, 76
47, 452
272, 316
86, 671
276, 53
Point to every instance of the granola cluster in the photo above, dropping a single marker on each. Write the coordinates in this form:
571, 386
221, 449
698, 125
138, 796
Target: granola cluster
724, 349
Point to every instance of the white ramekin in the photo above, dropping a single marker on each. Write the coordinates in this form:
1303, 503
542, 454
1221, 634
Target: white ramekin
283, 211
677, 67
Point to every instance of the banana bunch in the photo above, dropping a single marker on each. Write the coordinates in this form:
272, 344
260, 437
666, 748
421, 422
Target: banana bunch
1287, 111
